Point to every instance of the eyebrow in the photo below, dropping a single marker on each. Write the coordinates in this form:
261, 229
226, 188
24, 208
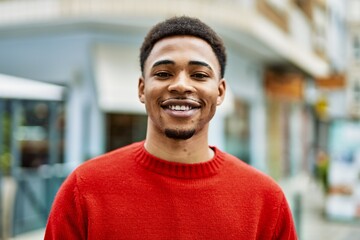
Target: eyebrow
200, 63
163, 62
193, 62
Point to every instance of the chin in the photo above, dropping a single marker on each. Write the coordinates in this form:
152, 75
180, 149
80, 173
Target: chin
179, 134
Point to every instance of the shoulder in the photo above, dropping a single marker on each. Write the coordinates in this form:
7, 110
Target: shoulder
247, 176
108, 165
114, 157
254, 187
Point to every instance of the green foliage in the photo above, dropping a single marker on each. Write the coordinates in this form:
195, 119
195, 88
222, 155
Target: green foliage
5, 155
5, 163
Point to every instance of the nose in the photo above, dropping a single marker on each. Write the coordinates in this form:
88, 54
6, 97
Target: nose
181, 84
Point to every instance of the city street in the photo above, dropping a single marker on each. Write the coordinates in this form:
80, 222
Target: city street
313, 223
70, 92
316, 227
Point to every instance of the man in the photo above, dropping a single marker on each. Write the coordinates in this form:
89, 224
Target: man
173, 185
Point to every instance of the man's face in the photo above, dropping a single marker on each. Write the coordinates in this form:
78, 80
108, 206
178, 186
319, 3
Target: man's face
181, 86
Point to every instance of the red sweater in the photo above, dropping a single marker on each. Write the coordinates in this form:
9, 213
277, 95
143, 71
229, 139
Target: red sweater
130, 194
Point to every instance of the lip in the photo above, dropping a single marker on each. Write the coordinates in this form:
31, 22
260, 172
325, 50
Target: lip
191, 103
181, 114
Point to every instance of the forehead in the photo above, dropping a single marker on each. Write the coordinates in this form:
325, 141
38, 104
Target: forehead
178, 48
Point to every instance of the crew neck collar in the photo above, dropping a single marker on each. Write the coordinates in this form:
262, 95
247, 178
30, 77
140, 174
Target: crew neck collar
179, 170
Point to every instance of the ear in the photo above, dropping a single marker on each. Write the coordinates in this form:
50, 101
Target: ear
141, 89
222, 90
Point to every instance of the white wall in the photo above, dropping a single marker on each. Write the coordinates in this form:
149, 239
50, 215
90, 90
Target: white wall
300, 28
245, 78
337, 32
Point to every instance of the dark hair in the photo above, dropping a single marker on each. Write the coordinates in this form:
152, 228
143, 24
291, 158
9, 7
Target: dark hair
181, 26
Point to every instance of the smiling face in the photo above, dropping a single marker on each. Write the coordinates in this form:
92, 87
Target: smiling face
181, 87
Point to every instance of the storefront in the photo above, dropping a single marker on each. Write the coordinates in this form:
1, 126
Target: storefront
32, 130
289, 124
343, 171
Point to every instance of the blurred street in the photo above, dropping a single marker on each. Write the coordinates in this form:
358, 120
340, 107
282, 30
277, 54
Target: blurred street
69, 92
316, 227
33, 235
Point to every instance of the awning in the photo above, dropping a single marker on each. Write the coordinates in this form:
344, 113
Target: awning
117, 73
21, 88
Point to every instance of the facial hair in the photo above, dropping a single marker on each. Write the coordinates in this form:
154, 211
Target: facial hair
179, 134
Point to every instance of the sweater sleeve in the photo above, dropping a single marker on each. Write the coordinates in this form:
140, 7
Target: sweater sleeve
67, 219
285, 227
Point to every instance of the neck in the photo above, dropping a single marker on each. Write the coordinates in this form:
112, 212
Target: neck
193, 150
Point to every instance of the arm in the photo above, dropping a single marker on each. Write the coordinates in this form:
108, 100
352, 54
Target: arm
67, 219
285, 228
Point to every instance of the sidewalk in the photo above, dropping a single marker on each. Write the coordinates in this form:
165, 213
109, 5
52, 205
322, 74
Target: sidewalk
33, 235
313, 223
316, 226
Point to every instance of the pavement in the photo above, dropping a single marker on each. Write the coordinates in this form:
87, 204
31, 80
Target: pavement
313, 224
33, 235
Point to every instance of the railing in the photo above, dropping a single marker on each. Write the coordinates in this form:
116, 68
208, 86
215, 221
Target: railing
35, 191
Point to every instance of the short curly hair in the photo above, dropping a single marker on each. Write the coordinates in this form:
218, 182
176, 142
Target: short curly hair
183, 26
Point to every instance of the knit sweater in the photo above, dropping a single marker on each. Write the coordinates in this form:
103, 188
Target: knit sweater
131, 194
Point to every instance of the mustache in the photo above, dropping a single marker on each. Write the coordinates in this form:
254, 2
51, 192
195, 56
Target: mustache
194, 102
182, 98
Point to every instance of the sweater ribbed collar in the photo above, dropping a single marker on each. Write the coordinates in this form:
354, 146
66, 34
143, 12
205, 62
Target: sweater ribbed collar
179, 170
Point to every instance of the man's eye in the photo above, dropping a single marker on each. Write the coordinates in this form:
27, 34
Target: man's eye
199, 75
162, 74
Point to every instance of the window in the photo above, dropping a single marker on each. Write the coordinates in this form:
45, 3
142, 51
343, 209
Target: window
41, 133
31, 133
237, 131
124, 129
305, 6
274, 11
356, 48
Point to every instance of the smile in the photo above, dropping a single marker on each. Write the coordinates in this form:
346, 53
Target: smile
181, 104
180, 107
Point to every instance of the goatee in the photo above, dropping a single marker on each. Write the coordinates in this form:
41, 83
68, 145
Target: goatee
179, 134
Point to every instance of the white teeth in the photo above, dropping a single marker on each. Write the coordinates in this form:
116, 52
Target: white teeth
180, 108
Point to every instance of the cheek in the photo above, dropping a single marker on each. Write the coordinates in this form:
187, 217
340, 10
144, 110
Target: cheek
212, 96
212, 110
149, 94
212, 102
151, 99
